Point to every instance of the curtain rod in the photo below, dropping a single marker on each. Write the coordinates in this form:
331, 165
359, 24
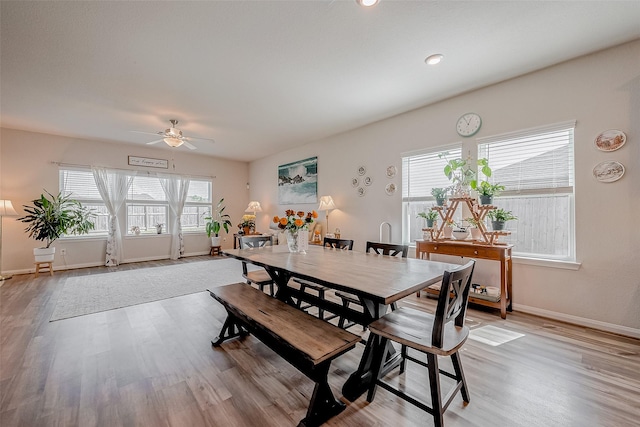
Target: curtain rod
73, 165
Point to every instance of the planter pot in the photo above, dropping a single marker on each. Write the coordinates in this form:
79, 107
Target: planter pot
44, 254
497, 225
159, 229
440, 201
476, 234
460, 234
215, 240
486, 200
447, 232
430, 223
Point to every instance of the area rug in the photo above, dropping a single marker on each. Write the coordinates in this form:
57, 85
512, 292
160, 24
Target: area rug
107, 291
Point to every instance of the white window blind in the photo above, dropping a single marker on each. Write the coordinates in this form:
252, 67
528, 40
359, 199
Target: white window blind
536, 167
80, 185
421, 172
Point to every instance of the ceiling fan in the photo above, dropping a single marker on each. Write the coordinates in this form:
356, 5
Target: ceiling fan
173, 137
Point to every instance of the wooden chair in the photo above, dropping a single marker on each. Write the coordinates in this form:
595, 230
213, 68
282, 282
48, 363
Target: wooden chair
439, 334
341, 244
388, 249
259, 277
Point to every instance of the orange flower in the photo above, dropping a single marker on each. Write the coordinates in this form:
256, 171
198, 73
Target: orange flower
276, 219
298, 222
300, 214
314, 214
289, 212
283, 221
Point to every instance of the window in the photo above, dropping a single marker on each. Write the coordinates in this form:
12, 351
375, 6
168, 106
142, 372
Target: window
147, 205
421, 172
81, 186
536, 167
197, 206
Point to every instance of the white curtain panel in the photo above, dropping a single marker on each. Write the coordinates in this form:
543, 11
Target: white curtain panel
113, 186
176, 188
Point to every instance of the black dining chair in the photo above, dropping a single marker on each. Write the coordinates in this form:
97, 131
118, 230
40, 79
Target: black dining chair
388, 249
440, 334
328, 242
258, 277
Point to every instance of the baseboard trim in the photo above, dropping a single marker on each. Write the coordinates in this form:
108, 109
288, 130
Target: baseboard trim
581, 321
98, 264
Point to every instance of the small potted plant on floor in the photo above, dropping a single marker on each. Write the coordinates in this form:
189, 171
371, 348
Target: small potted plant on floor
440, 195
50, 217
499, 217
430, 217
216, 221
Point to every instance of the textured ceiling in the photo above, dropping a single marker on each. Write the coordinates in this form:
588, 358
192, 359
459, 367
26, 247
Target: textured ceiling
263, 76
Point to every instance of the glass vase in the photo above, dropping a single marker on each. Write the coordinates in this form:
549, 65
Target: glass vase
292, 240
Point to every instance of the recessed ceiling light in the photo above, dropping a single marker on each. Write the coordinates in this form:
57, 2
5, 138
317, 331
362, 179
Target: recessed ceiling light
434, 59
367, 3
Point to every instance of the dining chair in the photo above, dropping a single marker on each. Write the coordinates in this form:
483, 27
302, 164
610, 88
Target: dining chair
258, 277
328, 242
440, 334
388, 249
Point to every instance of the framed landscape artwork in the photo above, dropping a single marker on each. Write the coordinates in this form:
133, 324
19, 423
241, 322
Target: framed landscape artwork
298, 182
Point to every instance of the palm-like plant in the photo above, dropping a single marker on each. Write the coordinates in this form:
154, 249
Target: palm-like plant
50, 218
217, 220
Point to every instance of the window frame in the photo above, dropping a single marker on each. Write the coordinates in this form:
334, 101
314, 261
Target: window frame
85, 201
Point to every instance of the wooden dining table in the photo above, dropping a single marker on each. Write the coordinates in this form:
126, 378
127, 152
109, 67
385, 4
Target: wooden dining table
376, 280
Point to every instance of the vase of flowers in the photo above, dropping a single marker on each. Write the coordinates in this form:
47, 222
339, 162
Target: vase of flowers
293, 223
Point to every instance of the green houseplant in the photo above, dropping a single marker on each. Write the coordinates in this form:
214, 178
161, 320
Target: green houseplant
440, 195
461, 174
430, 217
499, 217
216, 221
50, 217
486, 191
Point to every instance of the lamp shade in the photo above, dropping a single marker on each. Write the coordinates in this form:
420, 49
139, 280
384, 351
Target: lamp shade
6, 208
326, 203
173, 142
254, 207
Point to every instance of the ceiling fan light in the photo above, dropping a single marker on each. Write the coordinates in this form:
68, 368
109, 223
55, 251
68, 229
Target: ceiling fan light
367, 3
173, 142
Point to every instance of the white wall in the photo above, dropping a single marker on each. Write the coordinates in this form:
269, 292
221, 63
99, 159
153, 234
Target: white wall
26, 169
601, 91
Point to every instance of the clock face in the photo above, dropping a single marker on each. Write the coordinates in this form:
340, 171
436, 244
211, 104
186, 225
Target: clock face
468, 124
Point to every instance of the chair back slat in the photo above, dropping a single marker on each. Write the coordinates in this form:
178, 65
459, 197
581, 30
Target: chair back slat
344, 244
388, 249
255, 241
452, 300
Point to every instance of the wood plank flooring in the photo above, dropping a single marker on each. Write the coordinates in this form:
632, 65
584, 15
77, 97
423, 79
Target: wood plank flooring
153, 365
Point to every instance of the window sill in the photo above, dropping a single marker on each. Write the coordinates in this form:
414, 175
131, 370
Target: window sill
147, 236
83, 238
539, 262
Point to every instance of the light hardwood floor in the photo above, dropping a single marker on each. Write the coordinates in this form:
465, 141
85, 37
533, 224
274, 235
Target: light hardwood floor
153, 365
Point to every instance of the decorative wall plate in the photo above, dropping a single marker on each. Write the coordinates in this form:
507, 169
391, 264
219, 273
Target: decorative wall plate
610, 140
390, 188
609, 171
361, 191
355, 182
367, 180
362, 170
391, 171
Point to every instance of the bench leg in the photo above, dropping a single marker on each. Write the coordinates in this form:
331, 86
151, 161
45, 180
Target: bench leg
323, 404
230, 329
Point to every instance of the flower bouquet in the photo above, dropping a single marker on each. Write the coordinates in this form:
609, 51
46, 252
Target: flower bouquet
292, 223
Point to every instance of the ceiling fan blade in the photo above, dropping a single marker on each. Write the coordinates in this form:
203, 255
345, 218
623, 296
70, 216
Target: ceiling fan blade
188, 145
202, 139
147, 133
154, 142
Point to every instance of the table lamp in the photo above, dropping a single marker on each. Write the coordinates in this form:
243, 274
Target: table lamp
326, 204
6, 209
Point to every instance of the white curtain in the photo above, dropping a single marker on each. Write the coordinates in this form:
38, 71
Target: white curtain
176, 189
113, 186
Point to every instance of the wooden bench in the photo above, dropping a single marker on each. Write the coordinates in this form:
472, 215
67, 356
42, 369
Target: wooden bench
306, 342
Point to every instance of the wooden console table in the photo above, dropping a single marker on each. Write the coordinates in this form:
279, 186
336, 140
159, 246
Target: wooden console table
501, 253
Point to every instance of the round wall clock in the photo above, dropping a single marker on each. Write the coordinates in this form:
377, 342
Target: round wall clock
468, 124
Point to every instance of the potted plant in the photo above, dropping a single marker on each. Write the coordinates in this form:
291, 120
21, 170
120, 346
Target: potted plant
430, 217
50, 217
440, 195
460, 173
499, 217
159, 227
486, 191
474, 227
216, 221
